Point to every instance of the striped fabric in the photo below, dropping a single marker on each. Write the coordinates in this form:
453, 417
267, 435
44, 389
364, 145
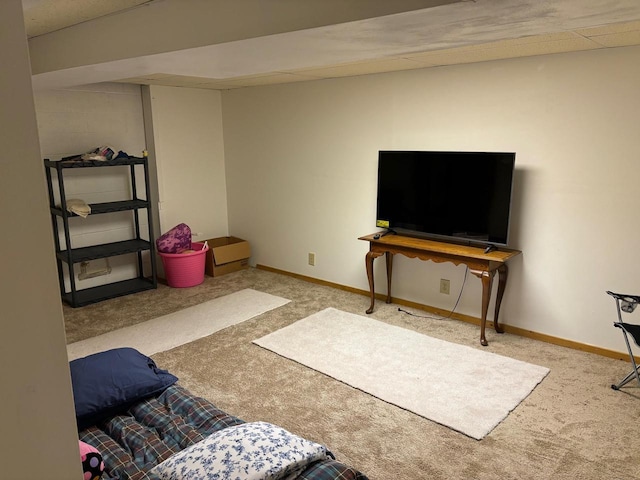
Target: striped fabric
330, 470
151, 431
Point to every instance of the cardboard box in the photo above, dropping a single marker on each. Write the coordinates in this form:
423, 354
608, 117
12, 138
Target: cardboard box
226, 255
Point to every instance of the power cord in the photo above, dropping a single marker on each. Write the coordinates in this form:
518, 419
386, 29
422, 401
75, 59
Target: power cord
464, 281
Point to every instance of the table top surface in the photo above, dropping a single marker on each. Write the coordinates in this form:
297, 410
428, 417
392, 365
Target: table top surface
500, 254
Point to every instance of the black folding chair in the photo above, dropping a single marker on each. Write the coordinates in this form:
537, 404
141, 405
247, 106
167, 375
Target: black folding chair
627, 304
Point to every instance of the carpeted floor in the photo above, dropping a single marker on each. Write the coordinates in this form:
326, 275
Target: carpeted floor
573, 425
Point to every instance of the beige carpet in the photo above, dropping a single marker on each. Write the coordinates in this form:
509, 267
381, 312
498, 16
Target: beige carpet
463, 388
572, 426
184, 326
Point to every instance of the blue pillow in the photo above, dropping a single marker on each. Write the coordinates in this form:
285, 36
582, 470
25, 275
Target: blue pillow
107, 383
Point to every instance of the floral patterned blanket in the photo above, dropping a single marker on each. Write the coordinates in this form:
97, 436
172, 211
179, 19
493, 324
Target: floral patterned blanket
155, 430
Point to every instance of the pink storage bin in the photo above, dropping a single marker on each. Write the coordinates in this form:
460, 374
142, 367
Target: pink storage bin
185, 269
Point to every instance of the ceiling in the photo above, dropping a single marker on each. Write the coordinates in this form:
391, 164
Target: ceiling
444, 33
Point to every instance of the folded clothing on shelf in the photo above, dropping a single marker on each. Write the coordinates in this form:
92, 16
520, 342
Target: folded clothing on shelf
79, 207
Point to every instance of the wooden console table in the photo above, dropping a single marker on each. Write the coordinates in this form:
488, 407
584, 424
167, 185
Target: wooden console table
482, 265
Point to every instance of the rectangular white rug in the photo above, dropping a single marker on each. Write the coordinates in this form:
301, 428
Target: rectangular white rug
466, 389
184, 326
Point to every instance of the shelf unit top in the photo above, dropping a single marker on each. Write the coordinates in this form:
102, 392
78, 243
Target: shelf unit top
71, 163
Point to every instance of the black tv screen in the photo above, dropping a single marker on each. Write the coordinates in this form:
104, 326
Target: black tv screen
458, 196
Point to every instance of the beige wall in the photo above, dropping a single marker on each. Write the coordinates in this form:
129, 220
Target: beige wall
301, 163
39, 438
189, 158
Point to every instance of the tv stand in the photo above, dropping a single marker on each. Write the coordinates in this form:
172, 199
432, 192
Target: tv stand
482, 265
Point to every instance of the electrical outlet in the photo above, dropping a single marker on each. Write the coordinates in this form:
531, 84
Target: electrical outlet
312, 259
444, 286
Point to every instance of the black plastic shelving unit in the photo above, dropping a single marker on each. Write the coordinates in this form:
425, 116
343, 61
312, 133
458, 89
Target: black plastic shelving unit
65, 255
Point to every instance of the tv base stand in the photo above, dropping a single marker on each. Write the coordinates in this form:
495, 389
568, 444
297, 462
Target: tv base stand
490, 248
482, 265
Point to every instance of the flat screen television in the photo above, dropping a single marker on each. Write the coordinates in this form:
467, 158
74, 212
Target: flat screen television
463, 197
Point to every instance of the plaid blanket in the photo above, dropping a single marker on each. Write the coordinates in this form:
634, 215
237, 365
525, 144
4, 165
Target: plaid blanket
152, 430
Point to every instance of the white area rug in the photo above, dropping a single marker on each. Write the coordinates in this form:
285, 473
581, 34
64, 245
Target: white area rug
184, 326
466, 389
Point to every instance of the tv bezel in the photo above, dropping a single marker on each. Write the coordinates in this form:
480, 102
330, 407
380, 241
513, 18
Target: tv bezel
450, 238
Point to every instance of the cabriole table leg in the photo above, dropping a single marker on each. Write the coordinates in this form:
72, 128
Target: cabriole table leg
389, 259
369, 264
503, 272
487, 281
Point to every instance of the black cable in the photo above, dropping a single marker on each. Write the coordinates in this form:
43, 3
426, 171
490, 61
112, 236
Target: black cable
464, 281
